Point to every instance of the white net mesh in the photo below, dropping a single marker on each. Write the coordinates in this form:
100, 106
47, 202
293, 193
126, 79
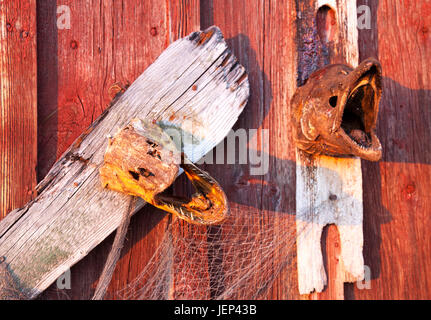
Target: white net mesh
239, 259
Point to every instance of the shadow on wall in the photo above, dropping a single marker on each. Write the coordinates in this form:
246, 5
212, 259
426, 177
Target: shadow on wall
142, 223
262, 193
236, 178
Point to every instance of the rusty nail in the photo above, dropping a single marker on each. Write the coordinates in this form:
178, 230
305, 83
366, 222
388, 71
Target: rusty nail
74, 44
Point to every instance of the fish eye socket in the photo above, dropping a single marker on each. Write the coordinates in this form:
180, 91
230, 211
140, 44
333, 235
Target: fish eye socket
333, 101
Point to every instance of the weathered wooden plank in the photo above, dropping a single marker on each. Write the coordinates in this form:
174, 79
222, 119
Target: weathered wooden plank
317, 184
396, 202
397, 234
142, 30
262, 35
18, 103
77, 213
185, 17
332, 38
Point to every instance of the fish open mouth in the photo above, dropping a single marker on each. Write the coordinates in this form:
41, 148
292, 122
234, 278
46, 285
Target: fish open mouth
360, 110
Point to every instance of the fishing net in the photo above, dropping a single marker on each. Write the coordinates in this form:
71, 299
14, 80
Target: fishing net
239, 259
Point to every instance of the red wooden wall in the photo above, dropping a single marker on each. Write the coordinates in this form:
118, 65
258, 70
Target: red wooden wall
110, 43
18, 104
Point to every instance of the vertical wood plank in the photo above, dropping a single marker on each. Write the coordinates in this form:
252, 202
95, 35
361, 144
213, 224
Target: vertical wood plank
18, 103
397, 236
328, 32
185, 19
262, 36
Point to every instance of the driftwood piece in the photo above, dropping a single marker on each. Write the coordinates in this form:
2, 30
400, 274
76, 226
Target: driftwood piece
329, 190
196, 87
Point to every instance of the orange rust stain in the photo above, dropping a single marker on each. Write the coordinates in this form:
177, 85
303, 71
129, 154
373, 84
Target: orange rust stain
81, 138
243, 103
78, 141
172, 117
115, 89
225, 60
204, 37
195, 87
77, 157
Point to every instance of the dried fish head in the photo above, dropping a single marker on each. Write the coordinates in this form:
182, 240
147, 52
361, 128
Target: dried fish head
142, 160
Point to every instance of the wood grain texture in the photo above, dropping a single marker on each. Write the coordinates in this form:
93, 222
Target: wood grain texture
139, 31
18, 120
329, 191
397, 238
397, 205
329, 33
77, 212
262, 36
185, 19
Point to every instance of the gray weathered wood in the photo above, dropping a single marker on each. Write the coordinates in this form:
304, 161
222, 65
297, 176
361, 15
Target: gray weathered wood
195, 88
329, 190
